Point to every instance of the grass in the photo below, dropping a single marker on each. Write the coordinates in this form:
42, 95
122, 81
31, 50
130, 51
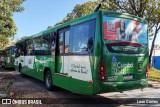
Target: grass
154, 74
6, 86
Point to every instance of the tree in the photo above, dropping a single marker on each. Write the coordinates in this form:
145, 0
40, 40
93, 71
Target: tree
7, 26
82, 10
49, 27
3, 41
156, 46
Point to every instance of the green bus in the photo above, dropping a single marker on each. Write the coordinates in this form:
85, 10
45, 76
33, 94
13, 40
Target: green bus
101, 52
8, 55
3, 57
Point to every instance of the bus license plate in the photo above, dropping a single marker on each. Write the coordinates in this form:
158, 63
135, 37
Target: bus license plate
128, 77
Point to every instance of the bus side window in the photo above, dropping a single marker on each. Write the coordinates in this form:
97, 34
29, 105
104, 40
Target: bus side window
45, 45
19, 49
82, 38
53, 44
37, 46
29, 47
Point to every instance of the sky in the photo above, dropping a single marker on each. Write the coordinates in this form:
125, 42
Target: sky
39, 14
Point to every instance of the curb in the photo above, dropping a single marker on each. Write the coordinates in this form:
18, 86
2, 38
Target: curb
154, 84
150, 85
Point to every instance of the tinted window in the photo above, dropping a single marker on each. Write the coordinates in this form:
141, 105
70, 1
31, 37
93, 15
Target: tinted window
29, 47
7, 52
53, 44
82, 38
61, 42
66, 41
13, 50
43, 45
20, 49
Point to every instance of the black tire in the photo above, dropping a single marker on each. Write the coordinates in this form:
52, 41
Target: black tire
20, 71
6, 66
48, 81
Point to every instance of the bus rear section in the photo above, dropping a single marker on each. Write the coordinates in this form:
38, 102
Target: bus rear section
123, 63
3, 58
10, 55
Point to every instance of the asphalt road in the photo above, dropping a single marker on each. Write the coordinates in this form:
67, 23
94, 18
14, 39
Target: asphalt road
31, 88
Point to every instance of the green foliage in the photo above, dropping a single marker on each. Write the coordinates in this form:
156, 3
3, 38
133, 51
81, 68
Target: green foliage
7, 85
3, 42
154, 74
7, 26
156, 46
82, 10
49, 27
146, 9
24, 37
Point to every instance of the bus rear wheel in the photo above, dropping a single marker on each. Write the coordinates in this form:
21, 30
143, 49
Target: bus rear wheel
48, 81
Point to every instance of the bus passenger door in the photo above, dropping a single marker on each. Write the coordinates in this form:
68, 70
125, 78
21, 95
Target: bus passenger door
61, 75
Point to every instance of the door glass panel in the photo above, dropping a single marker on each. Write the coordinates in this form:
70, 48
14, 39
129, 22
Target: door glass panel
53, 44
66, 41
82, 38
61, 43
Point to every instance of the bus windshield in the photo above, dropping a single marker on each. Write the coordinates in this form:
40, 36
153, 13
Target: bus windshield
125, 30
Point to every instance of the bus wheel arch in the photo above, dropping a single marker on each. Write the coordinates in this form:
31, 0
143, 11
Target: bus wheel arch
48, 79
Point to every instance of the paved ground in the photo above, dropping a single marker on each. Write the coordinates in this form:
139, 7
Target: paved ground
31, 88
154, 84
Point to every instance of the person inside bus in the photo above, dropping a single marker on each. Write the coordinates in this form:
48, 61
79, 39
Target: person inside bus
132, 36
90, 45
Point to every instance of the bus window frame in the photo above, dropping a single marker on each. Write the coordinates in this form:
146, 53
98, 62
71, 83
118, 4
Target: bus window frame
63, 29
84, 54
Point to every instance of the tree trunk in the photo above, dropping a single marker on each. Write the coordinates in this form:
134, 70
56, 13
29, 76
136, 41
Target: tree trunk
152, 46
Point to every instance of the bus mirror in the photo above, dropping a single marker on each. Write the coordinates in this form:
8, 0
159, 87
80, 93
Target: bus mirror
97, 8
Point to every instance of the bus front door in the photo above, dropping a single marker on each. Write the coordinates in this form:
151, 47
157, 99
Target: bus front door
62, 78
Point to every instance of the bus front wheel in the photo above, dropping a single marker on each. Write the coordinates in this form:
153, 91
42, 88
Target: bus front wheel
48, 81
6, 66
20, 71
